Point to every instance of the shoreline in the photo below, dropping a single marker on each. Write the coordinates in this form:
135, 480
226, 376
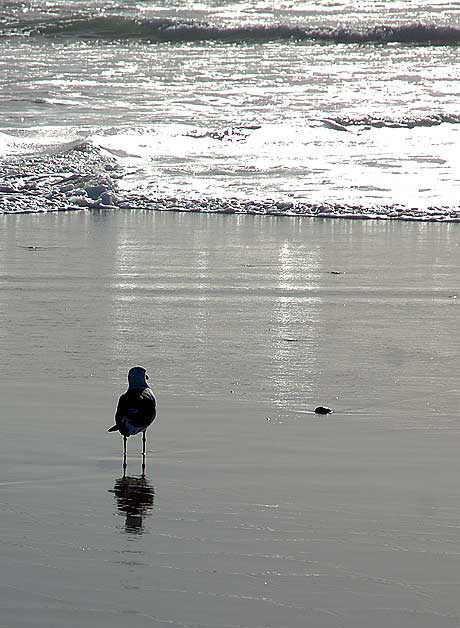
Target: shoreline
285, 209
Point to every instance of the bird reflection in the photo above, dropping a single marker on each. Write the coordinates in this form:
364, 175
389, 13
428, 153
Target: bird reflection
135, 497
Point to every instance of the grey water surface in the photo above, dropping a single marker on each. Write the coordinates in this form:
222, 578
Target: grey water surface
253, 511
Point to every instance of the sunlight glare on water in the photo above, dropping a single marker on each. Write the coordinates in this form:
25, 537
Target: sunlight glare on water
240, 100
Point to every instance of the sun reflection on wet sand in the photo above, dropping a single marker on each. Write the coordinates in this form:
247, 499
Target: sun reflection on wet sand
295, 320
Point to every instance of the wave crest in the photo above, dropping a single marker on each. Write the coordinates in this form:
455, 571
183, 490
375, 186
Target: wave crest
78, 175
180, 31
404, 122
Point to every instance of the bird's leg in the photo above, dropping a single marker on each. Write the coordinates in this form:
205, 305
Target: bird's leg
124, 455
143, 452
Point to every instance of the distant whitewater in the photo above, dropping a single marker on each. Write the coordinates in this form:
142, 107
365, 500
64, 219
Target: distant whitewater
119, 27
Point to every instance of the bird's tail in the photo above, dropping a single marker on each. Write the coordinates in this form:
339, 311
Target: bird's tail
114, 428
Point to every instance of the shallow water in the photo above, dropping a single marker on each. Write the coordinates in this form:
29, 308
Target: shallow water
254, 511
268, 300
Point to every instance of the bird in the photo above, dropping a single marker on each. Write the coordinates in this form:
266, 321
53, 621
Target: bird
136, 410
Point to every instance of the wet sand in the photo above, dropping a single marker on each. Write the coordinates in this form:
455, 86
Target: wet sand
254, 511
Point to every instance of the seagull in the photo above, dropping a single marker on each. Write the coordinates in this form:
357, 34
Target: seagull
136, 409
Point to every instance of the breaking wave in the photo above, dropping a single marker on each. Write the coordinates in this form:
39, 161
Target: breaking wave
40, 175
180, 31
73, 175
83, 177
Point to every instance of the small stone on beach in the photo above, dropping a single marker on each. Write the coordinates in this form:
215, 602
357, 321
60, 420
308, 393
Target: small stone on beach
322, 410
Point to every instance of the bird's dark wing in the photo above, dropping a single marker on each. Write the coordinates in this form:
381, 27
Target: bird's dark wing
121, 411
122, 408
138, 406
142, 408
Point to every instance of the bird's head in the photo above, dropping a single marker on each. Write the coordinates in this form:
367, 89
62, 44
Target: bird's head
137, 377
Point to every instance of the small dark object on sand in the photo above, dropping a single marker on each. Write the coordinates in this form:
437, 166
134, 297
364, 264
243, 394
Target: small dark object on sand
322, 410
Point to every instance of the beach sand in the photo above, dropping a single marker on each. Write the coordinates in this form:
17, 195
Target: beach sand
254, 511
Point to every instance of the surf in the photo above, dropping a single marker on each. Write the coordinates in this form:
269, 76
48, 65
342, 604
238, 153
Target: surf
169, 30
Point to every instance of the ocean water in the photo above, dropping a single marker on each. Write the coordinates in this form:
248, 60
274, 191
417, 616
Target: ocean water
315, 108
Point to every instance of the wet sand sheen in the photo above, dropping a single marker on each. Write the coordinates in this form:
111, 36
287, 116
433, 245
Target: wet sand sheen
345, 520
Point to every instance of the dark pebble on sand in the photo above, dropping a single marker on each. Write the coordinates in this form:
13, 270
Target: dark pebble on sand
322, 410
